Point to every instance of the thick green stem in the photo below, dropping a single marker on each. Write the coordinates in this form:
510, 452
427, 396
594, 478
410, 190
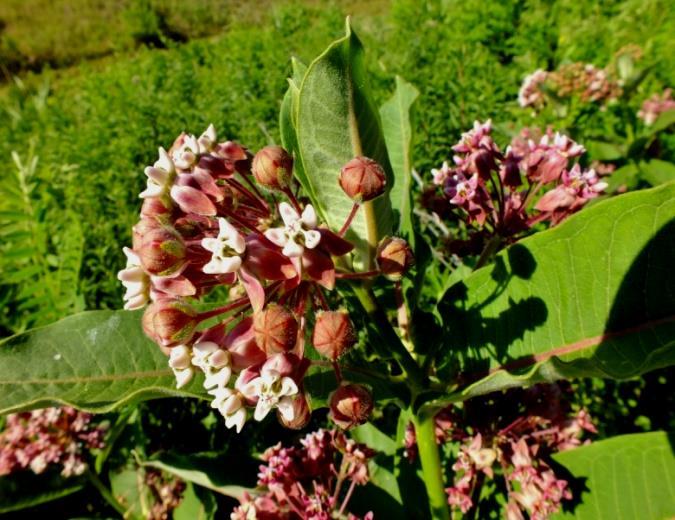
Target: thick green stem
414, 373
105, 493
425, 432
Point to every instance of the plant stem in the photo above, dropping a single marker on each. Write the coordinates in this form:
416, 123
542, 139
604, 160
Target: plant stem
105, 493
489, 250
425, 432
405, 360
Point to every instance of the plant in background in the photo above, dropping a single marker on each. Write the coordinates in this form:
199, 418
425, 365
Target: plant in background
297, 279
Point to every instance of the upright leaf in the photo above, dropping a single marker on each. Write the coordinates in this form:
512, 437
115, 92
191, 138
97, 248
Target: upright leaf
336, 122
397, 129
95, 361
594, 296
626, 477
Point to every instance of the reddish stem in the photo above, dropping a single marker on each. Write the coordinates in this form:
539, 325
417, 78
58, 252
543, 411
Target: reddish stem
241, 302
350, 217
357, 276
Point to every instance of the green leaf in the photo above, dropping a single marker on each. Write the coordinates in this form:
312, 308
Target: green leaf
627, 177
95, 361
197, 504
397, 130
622, 478
665, 120
129, 489
25, 489
336, 122
594, 296
605, 151
210, 470
371, 436
657, 172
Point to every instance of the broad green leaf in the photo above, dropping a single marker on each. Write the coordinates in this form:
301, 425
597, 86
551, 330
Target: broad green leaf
25, 489
664, 120
225, 475
657, 172
623, 478
130, 490
370, 435
336, 122
605, 151
627, 177
197, 504
594, 296
95, 361
397, 130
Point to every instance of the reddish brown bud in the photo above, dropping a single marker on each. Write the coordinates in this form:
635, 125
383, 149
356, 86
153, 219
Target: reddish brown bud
162, 251
394, 257
333, 334
350, 405
273, 167
301, 414
362, 179
276, 329
170, 322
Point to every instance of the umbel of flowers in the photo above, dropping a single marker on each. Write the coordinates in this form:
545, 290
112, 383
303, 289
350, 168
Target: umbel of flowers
213, 215
495, 190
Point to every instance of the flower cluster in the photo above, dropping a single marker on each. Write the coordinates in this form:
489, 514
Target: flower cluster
59, 436
584, 81
166, 491
656, 105
211, 217
495, 188
312, 481
516, 446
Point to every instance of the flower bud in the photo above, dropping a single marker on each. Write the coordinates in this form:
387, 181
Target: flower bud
394, 257
301, 413
350, 405
162, 251
273, 167
362, 179
170, 322
276, 329
333, 334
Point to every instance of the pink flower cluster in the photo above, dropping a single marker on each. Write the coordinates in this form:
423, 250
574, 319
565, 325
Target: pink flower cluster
167, 493
51, 436
495, 188
585, 81
656, 105
205, 223
517, 451
306, 482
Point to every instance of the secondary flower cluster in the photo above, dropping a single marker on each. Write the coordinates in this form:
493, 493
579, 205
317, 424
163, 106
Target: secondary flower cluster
166, 493
495, 188
51, 436
584, 81
205, 223
516, 445
656, 105
312, 481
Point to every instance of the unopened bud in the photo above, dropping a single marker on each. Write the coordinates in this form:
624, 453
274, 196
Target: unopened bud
350, 405
162, 251
276, 329
273, 167
394, 257
170, 322
362, 179
301, 413
333, 334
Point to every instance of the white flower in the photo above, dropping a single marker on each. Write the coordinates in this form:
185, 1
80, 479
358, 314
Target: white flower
442, 174
298, 231
208, 139
227, 249
160, 176
214, 362
185, 156
230, 405
135, 280
179, 361
272, 390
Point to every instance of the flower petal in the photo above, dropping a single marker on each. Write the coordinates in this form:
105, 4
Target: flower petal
312, 238
277, 236
262, 408
191, 200
288, 213
309, 216
292, 249
288, 387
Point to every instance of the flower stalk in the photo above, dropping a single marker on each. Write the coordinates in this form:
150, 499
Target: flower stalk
425, 426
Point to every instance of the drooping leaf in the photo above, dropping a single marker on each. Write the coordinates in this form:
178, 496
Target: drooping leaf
594, 296
336, 122
397, 130
210, 470
622, 478
95, 361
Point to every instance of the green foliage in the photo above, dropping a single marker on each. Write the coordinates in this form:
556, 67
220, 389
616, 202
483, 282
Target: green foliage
629, 476
592, 297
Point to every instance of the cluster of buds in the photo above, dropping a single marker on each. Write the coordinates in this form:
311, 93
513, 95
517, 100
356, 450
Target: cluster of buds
584, 81
211, 217
495, 188
516, 445
311, 481
51, 436
656, 105
166, 491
